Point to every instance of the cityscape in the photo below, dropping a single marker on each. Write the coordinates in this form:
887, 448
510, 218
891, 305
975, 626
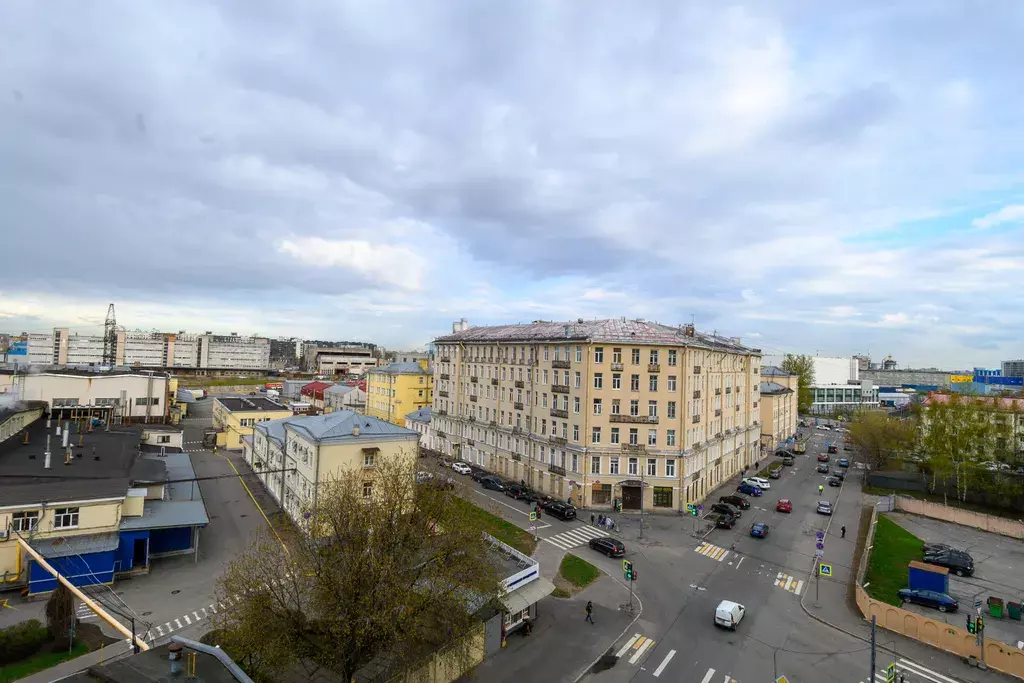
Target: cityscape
571, 343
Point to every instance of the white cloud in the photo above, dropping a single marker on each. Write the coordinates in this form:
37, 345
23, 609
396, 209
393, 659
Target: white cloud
386, 264
1013, 213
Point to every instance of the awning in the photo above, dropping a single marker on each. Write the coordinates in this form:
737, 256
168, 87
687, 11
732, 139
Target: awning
530, 594
63, 546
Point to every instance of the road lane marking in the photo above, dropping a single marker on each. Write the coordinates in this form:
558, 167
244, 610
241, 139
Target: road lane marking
740, 562
664, 663
628, 645
914, 667
187, 620
643, 639
581, 535
178, 622
708, 675
640, 653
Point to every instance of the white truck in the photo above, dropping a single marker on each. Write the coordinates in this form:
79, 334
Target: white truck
273, 394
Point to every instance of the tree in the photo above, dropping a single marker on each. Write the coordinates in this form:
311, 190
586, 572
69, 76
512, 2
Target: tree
803, 367
877, 436
388, 572
60, 615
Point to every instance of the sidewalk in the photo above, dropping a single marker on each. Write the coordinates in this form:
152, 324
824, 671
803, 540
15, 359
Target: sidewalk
73, 666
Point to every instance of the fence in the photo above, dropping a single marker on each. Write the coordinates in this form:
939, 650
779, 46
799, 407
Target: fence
996, 525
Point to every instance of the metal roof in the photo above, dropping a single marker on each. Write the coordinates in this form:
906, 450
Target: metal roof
400, 369
77, 544
772, 388
774, 371
249, 403
421, 415
612, 331
342, 423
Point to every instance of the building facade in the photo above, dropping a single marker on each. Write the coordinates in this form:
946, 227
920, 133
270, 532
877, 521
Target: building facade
1013, 368
779, 392
395, 390
344, 397
114, 396
236, 417
419, 422
600, 411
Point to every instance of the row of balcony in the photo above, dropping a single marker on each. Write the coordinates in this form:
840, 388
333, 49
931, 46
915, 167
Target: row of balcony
634, 419
560, 364
560, 388
557, 412
442, 393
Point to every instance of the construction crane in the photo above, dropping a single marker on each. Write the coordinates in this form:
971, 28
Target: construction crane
110, 338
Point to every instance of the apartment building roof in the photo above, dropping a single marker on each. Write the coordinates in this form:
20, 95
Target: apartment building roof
612, 331
774, 389
1001, 403
401, 369
249, 403
340, 424
421, 415
774, 371
339, 389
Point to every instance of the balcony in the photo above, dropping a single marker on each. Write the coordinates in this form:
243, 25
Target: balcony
718, 413
560, 440
718, 392
518, 405
564, 414
517, 430
442, 411
696, 394
633, 419
470, 442
654, 367
494, 382
517, 457
616, 367
696, 369
755, 404
471, 418
696, 419
473, 379
560, 364
442, 394
634, 448
472, 398
441, 435
728, 390
520, 384
556, 469
445, 375
560, 388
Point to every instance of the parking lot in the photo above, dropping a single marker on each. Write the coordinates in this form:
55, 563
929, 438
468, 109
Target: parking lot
998, 572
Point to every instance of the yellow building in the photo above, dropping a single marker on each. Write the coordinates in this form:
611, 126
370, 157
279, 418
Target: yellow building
317, 448
778, 406
235, 417
602, 411
395, 390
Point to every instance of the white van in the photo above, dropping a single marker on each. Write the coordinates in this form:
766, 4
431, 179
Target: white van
729, 614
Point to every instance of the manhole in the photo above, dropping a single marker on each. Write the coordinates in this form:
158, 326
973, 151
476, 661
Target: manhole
175, 592
245, 515
146, 614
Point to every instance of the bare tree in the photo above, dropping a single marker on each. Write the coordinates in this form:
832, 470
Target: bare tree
60, 615
386, 574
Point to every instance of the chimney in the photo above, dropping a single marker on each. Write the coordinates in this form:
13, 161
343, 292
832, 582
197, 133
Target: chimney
688, 331
46, 461
174, 657
355, 431
565, 331
67, 433
58, 427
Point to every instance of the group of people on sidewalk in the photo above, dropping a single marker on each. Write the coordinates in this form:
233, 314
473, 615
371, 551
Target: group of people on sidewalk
602, 521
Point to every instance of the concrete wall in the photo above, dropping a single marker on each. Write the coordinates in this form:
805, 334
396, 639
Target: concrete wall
995, 525
445, 668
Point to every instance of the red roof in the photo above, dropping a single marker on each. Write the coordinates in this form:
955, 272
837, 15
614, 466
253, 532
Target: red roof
1005, 403
315, 389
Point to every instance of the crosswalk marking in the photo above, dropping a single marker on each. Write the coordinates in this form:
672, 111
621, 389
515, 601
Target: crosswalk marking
708, 675
918, 671
789, 583
664, 663
580, 535
640, 651
629, 644
711, 550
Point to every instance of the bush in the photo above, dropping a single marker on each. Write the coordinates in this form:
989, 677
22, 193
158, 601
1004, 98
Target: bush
22, 640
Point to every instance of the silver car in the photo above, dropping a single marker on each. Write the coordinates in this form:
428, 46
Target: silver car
824, 507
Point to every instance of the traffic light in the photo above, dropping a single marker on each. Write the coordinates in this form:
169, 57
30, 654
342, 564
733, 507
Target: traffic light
628, 571
691, 509
979, 624
971, 626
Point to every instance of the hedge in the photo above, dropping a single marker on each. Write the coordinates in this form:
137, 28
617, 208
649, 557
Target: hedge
22, 640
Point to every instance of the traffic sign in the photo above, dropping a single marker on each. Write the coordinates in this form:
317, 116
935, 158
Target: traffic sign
977, 603
533, 527
700, 508
819, 553
533, 516
820, 535
626, 565
782, 679
819, 545
825, 569
890, 673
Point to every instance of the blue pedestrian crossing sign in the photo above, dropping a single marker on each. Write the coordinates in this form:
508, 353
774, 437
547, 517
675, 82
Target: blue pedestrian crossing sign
825, 569
890, 673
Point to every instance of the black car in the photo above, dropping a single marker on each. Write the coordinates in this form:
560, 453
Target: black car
835, 481
940, 601
725, 522
493, 483
789, 460
559, 509
726, 509
833, 448
609, 546
736, 501
956, 561
823, 467
839, 474
932, 548
517, 491
783, 453
477, 473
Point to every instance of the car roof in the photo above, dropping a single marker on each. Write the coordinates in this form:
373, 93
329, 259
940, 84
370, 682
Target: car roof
758, 524
783, 500
825, 502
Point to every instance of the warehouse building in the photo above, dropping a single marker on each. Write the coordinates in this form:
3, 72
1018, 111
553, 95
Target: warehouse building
80, 394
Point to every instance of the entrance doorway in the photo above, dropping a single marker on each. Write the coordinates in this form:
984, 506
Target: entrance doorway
631, 497
140, 553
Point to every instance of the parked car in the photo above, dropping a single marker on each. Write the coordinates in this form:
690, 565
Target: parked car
843, 462
847, 447
750, 489
823, 457
784, 453
940, 601
759, 530
444, 462
477, 473
725, 522
833, 448
726, 509
824, 507
492, 482
823, 467
956, 561
736, 501
784, 505
839, 474
609, 546
559, 509
835, 481
461, 468
789, 460
932, 548
760, 482
775, 472
728, 614
517, 491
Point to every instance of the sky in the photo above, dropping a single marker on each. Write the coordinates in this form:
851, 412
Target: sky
813, 177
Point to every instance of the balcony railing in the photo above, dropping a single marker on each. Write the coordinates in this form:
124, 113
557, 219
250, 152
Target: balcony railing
471, 418
473, 379
556, 469
472, 398
564, 414
696, 419
442, 411
654, 367
445, 375
728, 390
634, 448
517, 430
696, 394
560, 364
441, 435
494, 381
718, 392
470, 442
520, 384
518, 405
517, 457
696, 369
560, 388
633, 419
558, 439
616, 367
442, 393
718, 413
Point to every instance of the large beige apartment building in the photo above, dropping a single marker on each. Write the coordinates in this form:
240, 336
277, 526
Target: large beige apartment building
778, 406
597, 411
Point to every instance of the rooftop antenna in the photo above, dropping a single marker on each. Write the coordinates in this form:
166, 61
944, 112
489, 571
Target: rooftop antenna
110, 338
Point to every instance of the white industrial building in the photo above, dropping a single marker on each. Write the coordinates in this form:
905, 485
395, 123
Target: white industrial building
837, 385
118, 397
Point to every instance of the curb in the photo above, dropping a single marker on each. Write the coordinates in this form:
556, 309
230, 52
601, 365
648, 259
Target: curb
624, 631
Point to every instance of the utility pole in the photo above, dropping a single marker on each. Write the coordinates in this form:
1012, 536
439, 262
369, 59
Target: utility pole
817, 580
871, 677
643, 470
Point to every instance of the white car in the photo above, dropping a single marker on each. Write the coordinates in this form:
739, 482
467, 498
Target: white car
729, 614
461, 467
758, 482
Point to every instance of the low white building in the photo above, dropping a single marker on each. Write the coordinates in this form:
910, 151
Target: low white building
419, 421
344, 397
75, 394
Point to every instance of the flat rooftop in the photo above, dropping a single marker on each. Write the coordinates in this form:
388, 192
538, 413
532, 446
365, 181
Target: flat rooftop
249, 403
153, 666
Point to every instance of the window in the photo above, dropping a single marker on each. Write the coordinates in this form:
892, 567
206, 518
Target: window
65, 518
635, 356
671, 382
25, 521
367, 489
634, 436
544, 427
615, 435
617, 381
597, 406
576, 404
163, 438
615, 406
153, 401
662, 496
654, 356
652, 467
634, 382
634, 466
652, 437
575, 462
670, 466
595, 464
672, 357
575, 432
598, 380
613, 465
598, 354
579, 353
595, 435
579, 379
652, 382
634, 407
652, 409
544, 375
616, 355
546, 352
565, 426
544, 401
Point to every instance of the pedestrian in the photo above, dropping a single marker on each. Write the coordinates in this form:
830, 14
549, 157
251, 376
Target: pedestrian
600, 520
590, 608
591, 519
820, 489
842, 531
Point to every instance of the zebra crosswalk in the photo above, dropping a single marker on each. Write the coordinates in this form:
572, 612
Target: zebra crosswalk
789, 583
635, 648
711, 550
913, 672
577, 536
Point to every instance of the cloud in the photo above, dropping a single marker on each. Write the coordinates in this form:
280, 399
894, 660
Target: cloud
1008, 214
387, 264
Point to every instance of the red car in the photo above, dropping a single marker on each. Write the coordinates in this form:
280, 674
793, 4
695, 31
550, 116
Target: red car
823, 457
784, 505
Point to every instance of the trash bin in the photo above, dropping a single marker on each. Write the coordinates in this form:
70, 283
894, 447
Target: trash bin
1014, 609
995, 607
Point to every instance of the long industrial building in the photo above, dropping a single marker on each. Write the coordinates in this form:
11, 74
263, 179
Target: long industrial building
600, 411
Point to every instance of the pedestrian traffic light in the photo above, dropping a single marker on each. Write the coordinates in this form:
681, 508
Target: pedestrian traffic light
971, 627
691, 509
979, 625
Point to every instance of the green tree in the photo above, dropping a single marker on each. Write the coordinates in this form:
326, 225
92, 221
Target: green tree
388, 573
60, 615
876, 436
803, 367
